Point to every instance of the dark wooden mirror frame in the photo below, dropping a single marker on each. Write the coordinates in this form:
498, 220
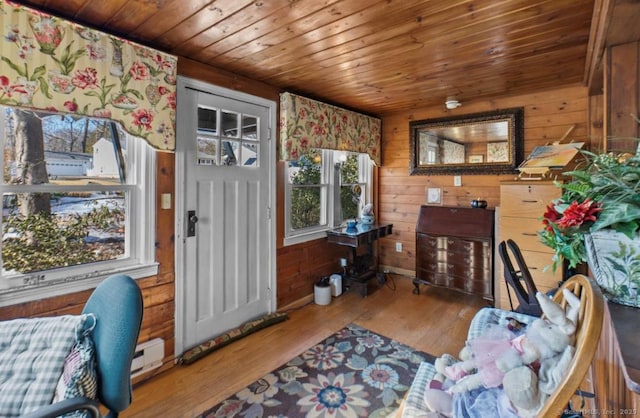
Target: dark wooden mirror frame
515, 139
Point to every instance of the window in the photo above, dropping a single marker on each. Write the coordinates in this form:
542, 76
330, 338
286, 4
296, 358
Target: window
74, 192
323, 189
233, 143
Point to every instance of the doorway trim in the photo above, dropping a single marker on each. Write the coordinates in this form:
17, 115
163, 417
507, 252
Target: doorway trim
180, 167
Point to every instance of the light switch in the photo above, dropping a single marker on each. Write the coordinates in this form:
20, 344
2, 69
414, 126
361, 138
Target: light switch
165, 201
457, 181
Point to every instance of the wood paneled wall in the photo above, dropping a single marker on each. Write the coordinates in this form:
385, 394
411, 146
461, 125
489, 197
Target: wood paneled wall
622, 92
301, 265
548, 116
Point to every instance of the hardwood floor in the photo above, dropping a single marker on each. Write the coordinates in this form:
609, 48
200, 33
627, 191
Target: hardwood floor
435, 321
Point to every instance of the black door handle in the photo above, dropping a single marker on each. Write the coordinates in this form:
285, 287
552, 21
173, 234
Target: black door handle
192, 219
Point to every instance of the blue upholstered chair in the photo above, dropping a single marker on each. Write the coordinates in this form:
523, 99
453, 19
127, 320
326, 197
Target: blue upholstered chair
117, 306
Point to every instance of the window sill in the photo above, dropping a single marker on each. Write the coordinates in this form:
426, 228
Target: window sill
63, 286
309, 236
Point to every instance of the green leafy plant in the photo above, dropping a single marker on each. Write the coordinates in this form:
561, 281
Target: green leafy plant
44, 241
306, 201
603, 193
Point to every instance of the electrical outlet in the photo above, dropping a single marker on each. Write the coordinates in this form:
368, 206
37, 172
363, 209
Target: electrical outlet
457, 181
398, 247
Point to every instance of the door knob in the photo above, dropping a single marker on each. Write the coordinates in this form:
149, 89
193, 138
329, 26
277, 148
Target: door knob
192, 219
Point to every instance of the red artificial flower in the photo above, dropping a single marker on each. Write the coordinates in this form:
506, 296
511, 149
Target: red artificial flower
578, 213
550, 216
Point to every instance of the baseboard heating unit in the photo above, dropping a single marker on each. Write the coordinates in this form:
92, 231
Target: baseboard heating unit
148, 356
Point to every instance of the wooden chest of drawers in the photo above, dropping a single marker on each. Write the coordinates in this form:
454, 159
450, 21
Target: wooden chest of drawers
522, 204
454, 249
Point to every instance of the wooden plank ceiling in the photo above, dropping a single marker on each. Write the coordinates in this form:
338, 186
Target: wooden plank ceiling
378, 57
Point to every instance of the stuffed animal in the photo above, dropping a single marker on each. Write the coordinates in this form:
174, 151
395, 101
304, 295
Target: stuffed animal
436, 396
532, 363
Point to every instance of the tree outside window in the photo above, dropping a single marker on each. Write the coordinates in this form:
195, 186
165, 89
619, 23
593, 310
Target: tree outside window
64, 197
305, 176
324, 188
352, 189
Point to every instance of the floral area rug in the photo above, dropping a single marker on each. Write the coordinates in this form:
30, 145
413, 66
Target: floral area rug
353, 373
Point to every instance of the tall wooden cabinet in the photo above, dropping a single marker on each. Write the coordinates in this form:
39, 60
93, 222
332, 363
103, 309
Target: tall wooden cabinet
522, 204
454, 249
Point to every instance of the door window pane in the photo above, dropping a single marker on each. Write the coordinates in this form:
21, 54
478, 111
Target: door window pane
230, 153
250, 153
230, 124
208, 120
207, 150
249, 127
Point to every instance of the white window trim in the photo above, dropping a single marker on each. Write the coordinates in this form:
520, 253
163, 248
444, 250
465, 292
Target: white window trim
320, 231
141, 217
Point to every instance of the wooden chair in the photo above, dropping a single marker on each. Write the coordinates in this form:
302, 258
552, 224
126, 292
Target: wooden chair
588, 331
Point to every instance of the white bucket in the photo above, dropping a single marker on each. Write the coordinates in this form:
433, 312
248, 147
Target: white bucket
336, 284
322, 294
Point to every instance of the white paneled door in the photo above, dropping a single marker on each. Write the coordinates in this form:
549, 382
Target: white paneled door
227, 231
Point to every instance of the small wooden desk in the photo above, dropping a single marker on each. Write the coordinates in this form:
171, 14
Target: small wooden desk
362, 267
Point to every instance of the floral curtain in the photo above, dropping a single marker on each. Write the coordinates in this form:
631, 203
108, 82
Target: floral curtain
307, 123
50, 64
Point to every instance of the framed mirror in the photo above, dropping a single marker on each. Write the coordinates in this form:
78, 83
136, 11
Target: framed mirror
480, 143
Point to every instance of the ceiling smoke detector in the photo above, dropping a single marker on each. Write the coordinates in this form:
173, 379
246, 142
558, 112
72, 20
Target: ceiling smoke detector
452, 104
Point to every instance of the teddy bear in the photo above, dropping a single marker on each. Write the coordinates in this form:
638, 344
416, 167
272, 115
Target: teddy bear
532, 363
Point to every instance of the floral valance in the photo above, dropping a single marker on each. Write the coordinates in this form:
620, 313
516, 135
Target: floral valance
307, 123
48, 63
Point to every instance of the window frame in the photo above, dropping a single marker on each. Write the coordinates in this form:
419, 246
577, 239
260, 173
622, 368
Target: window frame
331, 207
139, 260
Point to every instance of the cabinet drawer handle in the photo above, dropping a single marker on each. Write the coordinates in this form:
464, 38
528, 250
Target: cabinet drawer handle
529, 234
532, 268
529, 201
